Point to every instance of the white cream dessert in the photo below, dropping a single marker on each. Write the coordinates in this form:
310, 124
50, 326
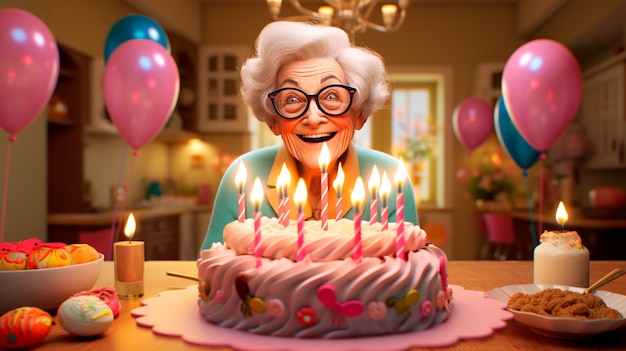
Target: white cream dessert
561, 259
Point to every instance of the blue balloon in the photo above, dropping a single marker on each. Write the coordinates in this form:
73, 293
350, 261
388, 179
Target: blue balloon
134, 27
511, 140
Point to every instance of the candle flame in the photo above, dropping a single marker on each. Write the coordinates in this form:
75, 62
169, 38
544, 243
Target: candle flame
358, 193
284, 177
338, 182
299, 198
256, 197
385, 186
401, 173
561, 214
374, 181
130, 227
240, 177
324, 159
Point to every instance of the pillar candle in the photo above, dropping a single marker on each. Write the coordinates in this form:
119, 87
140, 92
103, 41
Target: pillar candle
128, 261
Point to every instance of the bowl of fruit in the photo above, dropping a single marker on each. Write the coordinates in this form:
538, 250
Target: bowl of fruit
38, 274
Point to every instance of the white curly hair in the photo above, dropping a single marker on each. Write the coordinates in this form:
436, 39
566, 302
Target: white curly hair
284, 42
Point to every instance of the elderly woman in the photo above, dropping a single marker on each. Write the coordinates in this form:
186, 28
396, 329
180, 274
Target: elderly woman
310, 86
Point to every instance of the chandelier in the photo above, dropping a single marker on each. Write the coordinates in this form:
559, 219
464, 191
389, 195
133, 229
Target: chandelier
350, 15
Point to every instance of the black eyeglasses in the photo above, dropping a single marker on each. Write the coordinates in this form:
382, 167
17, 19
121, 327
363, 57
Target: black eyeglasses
292, 102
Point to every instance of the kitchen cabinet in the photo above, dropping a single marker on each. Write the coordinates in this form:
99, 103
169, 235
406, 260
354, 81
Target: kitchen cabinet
158, 229
161, 237
65, 134
602, 113
220, 106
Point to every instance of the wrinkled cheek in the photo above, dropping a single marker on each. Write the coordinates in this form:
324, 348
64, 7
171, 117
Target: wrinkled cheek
342, 122
289, 125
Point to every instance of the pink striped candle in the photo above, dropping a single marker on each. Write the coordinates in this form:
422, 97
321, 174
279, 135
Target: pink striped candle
240, 181
256, 197
338, 185
324, 160
385, 189
300, 199
282, 186
400, 178
373, 184
358, 193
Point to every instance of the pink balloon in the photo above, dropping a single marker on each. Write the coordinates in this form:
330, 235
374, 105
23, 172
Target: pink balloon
29, 68
141, 85
472, 121
542, 88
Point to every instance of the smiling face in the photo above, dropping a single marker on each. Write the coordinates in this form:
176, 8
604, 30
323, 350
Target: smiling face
303, 136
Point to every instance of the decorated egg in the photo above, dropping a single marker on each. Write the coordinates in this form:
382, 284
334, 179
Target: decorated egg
48, 257
85, 315
12, 260
24, 327
106, 294
82, 253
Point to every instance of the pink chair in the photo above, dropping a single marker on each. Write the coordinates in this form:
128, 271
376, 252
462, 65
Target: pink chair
500, 233
101, 240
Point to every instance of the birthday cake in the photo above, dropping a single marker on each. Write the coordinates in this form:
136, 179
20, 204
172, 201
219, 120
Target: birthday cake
331, 292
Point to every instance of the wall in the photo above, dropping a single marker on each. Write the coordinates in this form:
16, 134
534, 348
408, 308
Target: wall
458, 36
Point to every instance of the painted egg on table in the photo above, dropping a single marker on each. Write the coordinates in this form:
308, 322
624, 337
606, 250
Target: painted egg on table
24, 327
85, 315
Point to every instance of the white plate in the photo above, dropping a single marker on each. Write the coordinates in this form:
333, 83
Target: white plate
563, 328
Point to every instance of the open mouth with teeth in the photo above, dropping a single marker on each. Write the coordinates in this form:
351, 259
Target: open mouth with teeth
316, 138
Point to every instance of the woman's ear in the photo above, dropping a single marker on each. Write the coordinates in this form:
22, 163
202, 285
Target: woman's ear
358, 124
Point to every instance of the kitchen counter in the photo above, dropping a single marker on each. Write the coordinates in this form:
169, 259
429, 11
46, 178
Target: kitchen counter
104, 218
170, 232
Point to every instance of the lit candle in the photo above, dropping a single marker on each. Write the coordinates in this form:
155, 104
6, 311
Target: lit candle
324, 160
400, 178
282, 187
240, 181
299, 199
373, 185
561, 215
358, 193
338, 185
385, 189
256, 197
128, 257
561, 258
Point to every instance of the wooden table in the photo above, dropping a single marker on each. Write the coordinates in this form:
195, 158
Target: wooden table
124, 334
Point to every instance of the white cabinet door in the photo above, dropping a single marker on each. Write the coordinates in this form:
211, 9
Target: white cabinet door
602, 112
220, 108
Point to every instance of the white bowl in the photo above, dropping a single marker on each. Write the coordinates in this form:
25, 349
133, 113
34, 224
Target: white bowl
46, 288
559, 327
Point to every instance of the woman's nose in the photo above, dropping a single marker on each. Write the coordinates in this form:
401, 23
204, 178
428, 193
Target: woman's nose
315, 116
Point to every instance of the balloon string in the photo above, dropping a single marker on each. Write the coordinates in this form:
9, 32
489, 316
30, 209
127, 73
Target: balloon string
542, 157
533, 234
12, 138
125, 192
120, 176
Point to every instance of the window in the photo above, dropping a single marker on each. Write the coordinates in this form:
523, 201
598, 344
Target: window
416, 120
